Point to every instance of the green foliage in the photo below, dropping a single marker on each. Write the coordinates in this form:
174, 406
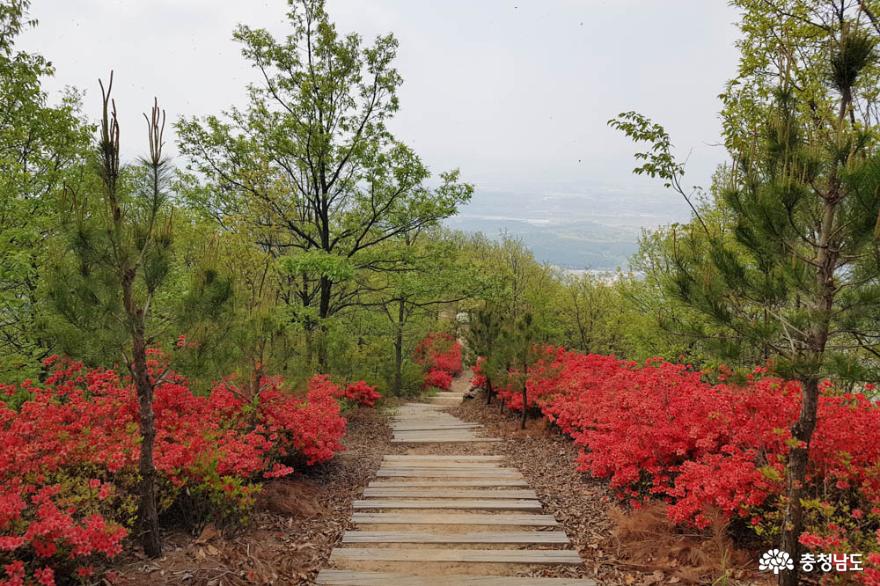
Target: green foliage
41, 149
789, 266
311, 159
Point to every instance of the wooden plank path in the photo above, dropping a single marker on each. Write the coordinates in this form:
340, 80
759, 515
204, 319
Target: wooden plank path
440, 519
427, 423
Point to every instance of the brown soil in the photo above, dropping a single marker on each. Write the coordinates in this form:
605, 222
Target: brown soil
297, 522
618, 548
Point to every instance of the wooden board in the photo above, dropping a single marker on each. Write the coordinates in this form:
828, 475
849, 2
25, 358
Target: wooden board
402, 464
512, 519
443, 440
466, 431
444, 483
536, 537
435, 458
409, 493
440, 434
434, 419
353, 578
434, 426
497, 556
431, 467
458, 504
447, 473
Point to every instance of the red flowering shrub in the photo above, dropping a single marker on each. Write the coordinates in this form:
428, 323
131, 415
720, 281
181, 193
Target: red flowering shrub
439, 355
541, 383
313, 429
359, 393
438, 379
479, 380
658, 430
439, 351
69, 450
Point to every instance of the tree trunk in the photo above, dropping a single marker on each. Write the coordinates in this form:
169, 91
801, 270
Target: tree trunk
525, 395
802, 430
309, 328
148, 513
397, 387
793, 522
489, 390
324, 314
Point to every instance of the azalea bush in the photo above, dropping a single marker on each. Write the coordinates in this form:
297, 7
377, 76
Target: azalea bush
440, 356
660, 430
438, 379
69, 449
359, 393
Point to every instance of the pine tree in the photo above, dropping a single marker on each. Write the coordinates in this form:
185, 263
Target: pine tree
121, 248
521, 342
802, 200
484, 339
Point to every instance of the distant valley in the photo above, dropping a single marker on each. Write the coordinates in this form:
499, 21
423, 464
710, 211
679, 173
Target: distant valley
595, 228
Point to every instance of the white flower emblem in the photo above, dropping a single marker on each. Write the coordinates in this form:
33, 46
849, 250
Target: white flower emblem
775, 560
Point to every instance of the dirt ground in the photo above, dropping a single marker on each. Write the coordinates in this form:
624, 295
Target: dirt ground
297, 522
627, 548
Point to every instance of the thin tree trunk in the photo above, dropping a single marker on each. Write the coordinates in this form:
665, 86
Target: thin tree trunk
397, 387
802, 430
148, 513
796, 475
489, 390
324, 314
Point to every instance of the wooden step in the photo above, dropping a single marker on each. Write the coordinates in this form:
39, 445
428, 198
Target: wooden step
434, 426
457, 504
444, 440
355, 578
447, 466
443, 464
448, 473
438, 435
461, 556
436, 458
459, 431
535, 537
444, 483
409, 493
511, 519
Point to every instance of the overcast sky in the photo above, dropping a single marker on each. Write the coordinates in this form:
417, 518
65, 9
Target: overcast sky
516, 93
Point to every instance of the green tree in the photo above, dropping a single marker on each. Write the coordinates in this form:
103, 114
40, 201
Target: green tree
41, 149
520, 339
312, 157
120, 253
421, 271
484, 340
803, 196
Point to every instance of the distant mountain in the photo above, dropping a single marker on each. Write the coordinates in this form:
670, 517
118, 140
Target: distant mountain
596, 228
